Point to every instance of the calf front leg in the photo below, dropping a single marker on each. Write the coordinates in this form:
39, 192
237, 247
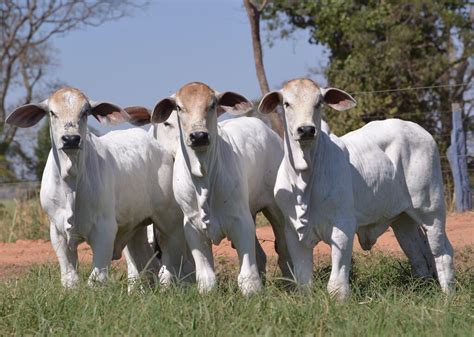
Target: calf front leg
67, 257
175, 258
140, 258
201, 251
302, 258
102, 244
242, 236
341, 241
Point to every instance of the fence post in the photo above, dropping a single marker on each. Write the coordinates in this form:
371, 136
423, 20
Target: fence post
458, 161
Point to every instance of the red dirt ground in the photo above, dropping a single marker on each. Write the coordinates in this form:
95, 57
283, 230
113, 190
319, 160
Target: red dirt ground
18, 257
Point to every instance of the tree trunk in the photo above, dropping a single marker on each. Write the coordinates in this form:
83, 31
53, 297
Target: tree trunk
254, 17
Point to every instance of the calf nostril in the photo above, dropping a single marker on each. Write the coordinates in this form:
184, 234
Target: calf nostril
199, 138
306, 131
71, 141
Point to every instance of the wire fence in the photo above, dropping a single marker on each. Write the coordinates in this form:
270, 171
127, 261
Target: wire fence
439, 86
19, 189
9, 188
404, 114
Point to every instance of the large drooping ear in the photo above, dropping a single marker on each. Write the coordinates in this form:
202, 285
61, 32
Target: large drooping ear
163, 110
107, 113
233, 103
138, 115
269, 102
338, 99
28, 115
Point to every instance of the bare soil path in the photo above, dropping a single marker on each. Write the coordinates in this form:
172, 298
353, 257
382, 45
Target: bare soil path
18, 257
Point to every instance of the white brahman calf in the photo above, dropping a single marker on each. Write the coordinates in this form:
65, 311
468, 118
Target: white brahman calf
329, 188
218, 170
167, 134
103, 190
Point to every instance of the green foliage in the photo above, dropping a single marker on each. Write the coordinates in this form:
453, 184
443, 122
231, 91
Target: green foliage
386, 301
390, 44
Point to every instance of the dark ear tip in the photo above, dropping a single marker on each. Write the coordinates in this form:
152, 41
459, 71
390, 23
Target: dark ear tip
339, 99
162, 110
269, 102
26, 115
137, 115
245, 106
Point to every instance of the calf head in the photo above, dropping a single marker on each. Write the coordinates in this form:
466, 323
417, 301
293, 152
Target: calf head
302, 100
167, 133
197, 107
68, 109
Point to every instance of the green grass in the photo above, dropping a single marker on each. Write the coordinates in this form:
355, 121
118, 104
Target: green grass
22, 219
386, 301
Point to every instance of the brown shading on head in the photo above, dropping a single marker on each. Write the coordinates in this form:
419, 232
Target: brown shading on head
300, 85
195, 97
68, 102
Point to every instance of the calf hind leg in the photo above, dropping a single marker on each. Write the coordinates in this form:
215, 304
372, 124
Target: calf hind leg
414, 244
140, 258
441, 249
260, 254
175, 259
261, 258
277, 221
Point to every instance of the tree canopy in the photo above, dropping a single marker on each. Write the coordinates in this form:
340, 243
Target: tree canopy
26, 32
380, 45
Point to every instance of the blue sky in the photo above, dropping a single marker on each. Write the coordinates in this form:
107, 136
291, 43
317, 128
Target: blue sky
140, 59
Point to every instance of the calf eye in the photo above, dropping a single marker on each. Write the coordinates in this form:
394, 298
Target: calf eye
286, 104
167, 124
178, 108
52, 114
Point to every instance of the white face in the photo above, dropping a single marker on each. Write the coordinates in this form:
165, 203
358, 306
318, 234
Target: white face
196, 106
301, 101
68, 111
